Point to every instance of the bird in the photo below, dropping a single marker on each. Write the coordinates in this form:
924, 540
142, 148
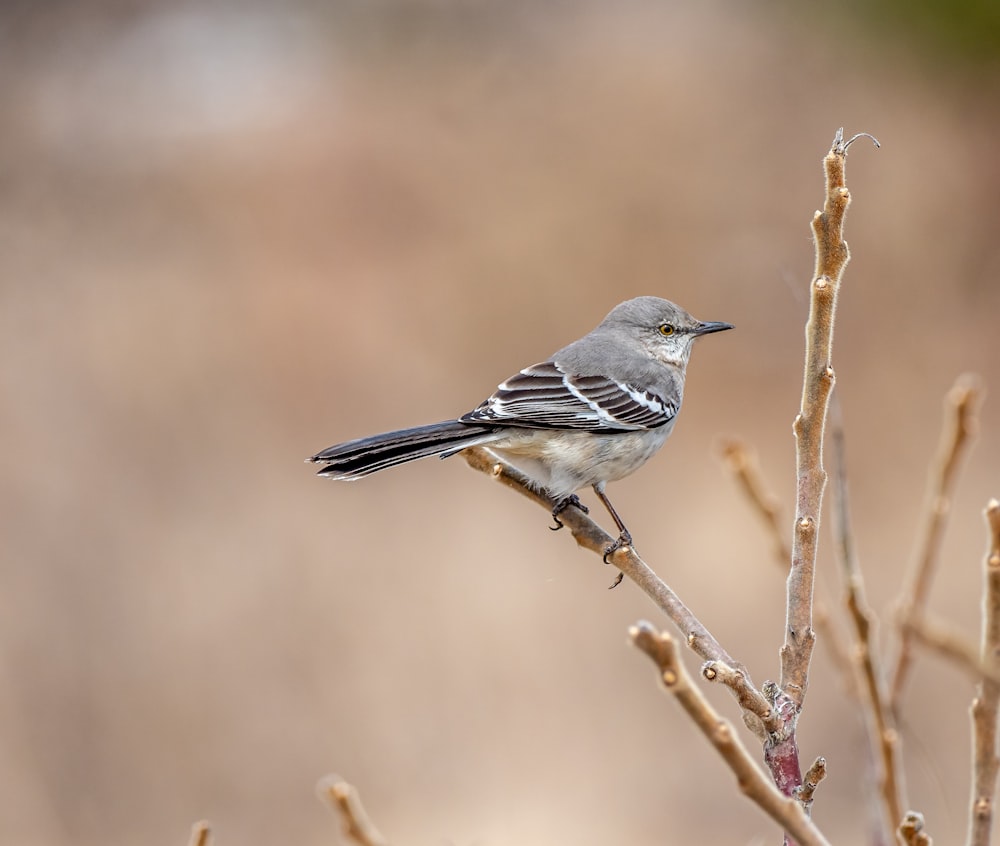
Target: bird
592, 413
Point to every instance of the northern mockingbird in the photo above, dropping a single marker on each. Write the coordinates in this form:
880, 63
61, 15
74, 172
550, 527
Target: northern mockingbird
593, 413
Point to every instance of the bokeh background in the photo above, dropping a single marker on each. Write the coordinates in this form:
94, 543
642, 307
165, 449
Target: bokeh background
232, 234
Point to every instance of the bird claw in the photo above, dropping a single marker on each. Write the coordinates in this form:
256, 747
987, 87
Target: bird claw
624, 539
562, 505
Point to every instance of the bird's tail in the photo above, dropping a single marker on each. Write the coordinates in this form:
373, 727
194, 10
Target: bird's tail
364, 456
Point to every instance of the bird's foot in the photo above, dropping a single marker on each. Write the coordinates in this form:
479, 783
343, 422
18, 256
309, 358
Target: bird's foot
562, 505
624, 539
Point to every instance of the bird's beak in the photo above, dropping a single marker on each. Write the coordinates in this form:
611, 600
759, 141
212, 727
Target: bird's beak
711, 326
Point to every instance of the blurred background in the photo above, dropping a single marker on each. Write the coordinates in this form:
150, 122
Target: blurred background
232, 234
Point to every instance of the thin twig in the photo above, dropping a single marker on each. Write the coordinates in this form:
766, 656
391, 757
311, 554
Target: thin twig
743, 465
831, 257
882, 733
811, 780
343, 798
953, 645
986, 705
787, 812
911, 830
201, 834
590, 535
961, 423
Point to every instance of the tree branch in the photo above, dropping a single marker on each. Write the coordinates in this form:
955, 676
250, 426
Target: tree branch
911, 830
831, 257
201, 834
742, 465
986, 705
344, 800
591, 536
953, 645
961, 407
882, 734
785, 811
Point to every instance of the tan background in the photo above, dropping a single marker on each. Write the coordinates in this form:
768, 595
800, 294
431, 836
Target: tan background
231, 235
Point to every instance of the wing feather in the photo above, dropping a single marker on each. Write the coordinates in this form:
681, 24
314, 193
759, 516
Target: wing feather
544, 396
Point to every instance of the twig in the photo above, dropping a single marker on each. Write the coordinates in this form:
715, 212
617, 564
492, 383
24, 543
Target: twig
953, 645
787, 812
810, 781
201, 834
986, 705
591, 536
882, 733
831, 258
343, 798
743, 466
747, 473
911, 830
961, 405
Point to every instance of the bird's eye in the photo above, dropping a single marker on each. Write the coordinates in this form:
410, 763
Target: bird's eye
667, 329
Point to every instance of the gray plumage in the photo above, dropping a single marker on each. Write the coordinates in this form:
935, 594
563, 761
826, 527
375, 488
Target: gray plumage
593, 413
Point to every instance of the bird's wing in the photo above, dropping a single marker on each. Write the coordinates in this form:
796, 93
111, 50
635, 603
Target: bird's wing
544, 396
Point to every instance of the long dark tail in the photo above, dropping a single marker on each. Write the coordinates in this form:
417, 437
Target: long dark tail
355, 459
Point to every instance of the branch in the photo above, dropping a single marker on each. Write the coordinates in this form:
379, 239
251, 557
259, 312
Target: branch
810, 781
201, 834
591, 536
911, 830
953, 645
961, 407
882, 734
744, 468
785, 811
831, 258
986, 705
343, 798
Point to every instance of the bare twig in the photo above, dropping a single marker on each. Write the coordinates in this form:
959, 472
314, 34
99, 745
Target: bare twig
961, 423
911, 830
986, 705
831, 258
787, 812
745, 470
742, 464
343, 798
810, 781
882, 734
952, 645
591, 536
201, 834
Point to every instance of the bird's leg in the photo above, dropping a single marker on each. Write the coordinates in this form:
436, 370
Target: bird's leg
562, 505
624, 535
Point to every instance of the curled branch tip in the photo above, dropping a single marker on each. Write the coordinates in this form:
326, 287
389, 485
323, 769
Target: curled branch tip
840, 145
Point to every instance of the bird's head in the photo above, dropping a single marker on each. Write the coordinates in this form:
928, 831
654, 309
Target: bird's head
663, 328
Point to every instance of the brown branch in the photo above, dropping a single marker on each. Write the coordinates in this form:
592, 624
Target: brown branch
201, 834
743, 465
952, 645
831, 258
883, 737
747, 473
343, 798
986, 705
591, 536
787, 812
911, 830
810, 781
961, 423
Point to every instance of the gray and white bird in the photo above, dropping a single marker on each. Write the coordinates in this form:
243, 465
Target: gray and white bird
593, 413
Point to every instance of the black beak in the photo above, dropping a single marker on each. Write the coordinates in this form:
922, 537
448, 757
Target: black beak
711, 326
